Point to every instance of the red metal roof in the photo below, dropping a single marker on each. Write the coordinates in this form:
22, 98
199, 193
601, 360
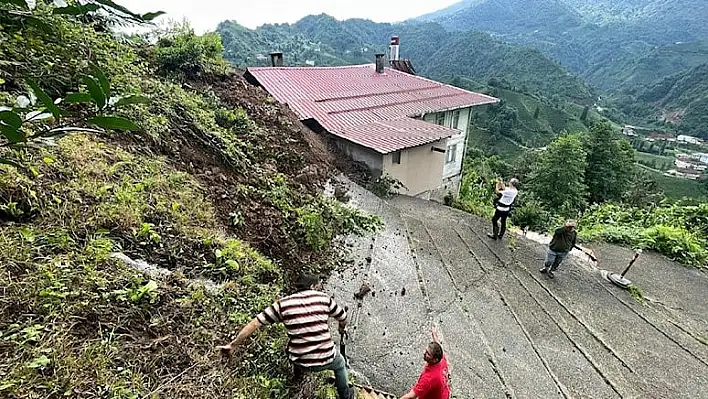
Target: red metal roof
376, 110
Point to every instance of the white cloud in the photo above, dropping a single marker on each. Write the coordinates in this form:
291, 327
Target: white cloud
204, 15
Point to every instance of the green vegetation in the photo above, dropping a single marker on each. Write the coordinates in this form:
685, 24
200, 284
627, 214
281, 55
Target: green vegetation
201, 190
676, 188
560, 177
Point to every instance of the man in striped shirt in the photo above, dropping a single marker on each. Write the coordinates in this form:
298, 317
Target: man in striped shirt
305, 315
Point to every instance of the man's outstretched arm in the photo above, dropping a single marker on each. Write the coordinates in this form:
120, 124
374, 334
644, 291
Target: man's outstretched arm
434, 332
410, 395
245, 332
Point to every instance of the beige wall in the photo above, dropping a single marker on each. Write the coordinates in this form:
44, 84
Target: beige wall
455, 143
420, 169
371, 158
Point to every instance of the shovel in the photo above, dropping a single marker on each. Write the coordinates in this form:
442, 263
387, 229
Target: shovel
343, 342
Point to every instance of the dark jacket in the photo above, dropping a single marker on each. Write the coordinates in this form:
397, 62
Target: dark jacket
563, 240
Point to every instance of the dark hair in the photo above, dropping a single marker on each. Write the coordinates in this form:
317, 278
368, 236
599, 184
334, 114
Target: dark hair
305, 282
436, 351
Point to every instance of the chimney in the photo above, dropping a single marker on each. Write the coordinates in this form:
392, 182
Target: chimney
276, 59
393, 49
380, 63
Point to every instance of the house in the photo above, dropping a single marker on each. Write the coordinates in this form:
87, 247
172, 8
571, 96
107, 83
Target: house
400, 125
688, 139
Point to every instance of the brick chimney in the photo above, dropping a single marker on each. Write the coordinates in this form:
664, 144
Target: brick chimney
276, 59
380, 63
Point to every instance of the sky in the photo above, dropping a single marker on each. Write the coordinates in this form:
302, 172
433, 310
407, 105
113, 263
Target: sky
204, 15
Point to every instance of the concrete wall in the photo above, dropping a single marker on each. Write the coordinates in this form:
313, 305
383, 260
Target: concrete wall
371, 158
450, 185
455, 143
420, 169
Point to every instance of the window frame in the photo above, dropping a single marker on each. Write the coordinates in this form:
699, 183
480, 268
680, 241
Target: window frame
455, 122
437, 118
451, 154
396, 157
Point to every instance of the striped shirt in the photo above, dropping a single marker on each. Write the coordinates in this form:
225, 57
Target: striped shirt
305, 315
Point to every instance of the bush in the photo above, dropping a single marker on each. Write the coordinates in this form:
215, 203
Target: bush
385, 186
182, 53
530, 214
321, 222
677, 243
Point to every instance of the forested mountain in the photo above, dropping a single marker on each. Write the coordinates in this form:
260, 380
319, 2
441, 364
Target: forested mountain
629, 75
630, 50
582, 34
681, 99
436, 52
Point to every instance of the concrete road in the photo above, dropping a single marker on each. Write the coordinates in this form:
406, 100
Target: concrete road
509, 331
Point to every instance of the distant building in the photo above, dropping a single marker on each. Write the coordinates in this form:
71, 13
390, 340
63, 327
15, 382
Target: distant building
700, 157
310, 62
682, 138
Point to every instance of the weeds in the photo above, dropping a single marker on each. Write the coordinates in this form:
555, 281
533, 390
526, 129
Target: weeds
636, 293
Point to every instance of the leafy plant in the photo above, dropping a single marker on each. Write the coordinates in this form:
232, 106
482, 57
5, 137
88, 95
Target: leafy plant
37, 116
137, 291
385, 186
180, 52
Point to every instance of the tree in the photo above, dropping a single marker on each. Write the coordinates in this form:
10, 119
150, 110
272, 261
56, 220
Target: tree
558, 180
610, 164
584, 115
536, 112
181, 52
642, 191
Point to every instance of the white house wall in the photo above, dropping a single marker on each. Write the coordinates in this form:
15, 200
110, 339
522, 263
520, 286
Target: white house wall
452, 169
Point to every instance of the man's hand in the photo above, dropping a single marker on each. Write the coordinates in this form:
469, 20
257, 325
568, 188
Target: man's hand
434, 332
226, 350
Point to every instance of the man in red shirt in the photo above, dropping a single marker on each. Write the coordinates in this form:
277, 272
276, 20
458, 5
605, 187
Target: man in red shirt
433, 382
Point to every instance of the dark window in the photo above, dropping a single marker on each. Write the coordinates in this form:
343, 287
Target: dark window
455, 119
396, 157
440, 118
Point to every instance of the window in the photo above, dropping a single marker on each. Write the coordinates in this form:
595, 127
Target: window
396, 157
455, 119
440, 118
451, 153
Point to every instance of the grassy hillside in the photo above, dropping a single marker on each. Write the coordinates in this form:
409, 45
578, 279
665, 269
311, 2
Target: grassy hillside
201, 177
681, 99
633, 73
678, 188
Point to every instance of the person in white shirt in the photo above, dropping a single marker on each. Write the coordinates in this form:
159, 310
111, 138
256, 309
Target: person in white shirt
502, 207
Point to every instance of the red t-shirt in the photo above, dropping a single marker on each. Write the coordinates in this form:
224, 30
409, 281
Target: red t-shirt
433, 382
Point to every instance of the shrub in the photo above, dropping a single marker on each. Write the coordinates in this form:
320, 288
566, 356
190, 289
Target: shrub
384, 186
182, 53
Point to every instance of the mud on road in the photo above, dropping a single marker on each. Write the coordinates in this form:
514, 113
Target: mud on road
509, 331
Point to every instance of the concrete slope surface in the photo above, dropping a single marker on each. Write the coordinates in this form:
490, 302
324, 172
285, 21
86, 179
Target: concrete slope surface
508, 331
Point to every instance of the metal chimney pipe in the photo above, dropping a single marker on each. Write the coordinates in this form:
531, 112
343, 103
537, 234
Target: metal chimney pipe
380, 63
393, 49
276, 59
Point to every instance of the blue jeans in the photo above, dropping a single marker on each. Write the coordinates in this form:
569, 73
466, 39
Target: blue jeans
554, 259
340, 374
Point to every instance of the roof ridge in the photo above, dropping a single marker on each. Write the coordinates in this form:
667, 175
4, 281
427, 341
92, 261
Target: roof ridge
414, 100
358, 66
351, 97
